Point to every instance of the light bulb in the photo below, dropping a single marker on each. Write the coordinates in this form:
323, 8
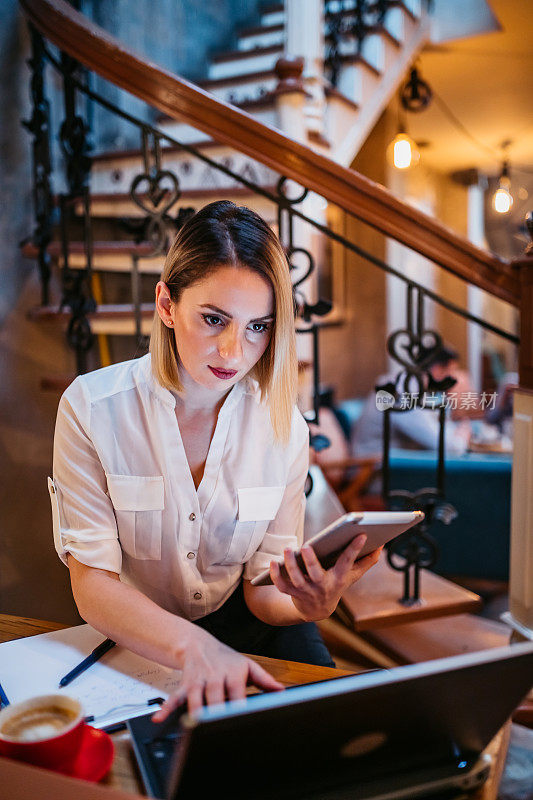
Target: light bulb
403, 152
502, 201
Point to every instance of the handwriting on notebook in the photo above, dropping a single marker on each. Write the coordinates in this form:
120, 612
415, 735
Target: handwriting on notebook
116, 687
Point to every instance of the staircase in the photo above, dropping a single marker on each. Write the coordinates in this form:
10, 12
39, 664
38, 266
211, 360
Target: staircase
245, 77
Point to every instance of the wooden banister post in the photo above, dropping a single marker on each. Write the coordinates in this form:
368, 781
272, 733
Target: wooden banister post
305, 38
290, 97
521, 575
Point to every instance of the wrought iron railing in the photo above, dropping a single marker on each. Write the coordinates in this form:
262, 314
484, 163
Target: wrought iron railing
161, 186
347, 24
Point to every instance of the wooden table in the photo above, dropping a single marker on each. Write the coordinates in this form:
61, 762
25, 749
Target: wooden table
22, 782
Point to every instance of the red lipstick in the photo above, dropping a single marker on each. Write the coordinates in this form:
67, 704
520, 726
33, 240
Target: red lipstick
224, 374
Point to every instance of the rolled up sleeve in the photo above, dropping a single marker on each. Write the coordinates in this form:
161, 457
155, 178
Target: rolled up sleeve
286, 529
82, 513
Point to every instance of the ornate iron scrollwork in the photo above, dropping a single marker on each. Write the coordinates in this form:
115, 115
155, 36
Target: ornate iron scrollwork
74, 132
334, 35
350, 21
39, 126
76, 284
303, 309
414, 348
155, 191
417, 549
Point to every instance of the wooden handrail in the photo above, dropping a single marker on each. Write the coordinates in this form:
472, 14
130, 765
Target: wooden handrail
93, 47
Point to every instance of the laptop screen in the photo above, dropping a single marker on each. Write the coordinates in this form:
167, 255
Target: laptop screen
345, 735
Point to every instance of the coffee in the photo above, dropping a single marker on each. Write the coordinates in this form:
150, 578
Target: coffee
34, 724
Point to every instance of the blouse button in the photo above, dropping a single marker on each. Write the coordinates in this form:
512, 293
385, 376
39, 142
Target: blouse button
192, 516
197, 596
191, 555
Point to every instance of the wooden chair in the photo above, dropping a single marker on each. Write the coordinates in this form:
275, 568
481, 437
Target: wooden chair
350, 477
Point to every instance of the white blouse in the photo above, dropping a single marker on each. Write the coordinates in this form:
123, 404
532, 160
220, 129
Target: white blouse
123, 497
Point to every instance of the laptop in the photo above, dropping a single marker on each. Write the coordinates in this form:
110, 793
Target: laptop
412, 731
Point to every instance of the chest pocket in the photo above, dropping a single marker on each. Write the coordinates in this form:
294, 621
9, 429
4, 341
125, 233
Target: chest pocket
258, 506
138, 504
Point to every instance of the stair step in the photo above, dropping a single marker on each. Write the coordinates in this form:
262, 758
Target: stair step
358, 80
253, 97
242, 88
107, 256
114, 173
261, 36
342, 115
108, 204
169, 153
361, 60
413, 8
388, 35
262, 76
438, 638
135, 152
242, 55
107, 319
244, 62
394, 23
331, 92
273, 14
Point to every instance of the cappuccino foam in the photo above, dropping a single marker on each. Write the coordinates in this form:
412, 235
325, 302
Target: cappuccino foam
38, 723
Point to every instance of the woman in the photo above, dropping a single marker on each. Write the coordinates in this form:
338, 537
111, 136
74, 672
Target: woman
180, 475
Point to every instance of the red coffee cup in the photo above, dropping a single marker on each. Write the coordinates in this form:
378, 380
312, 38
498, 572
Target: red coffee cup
46, 731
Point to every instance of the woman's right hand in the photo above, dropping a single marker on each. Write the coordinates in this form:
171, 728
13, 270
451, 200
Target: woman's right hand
213, 673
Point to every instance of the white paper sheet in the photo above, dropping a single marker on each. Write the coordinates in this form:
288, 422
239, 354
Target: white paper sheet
115, 688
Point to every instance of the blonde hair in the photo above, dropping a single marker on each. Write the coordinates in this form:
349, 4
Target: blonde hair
223, 234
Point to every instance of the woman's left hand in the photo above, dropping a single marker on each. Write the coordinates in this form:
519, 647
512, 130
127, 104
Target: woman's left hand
316, 594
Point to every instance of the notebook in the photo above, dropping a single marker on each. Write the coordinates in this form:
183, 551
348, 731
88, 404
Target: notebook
407, 732
118, 687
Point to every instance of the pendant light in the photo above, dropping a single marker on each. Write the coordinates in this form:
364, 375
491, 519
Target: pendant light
502, 199
402, 152
415, 95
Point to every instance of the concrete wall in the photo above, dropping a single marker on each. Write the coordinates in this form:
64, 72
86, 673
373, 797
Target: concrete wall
15, 168
180, 37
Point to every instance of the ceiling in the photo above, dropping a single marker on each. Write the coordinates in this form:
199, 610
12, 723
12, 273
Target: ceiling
486, 80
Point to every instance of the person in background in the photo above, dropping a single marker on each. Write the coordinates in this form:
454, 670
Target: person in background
502, 413
418, 428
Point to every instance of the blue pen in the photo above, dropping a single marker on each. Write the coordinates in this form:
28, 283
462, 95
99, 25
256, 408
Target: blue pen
91, 659
3, 697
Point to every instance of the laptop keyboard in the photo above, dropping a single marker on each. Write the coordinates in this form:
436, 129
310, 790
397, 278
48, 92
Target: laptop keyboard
159, 753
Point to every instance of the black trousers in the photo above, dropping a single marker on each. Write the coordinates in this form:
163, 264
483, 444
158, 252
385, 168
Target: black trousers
235, 625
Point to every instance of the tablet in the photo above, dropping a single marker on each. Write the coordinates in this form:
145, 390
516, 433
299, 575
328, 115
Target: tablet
379, 526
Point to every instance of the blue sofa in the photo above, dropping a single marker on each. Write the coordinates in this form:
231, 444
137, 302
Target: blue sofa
476, 543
